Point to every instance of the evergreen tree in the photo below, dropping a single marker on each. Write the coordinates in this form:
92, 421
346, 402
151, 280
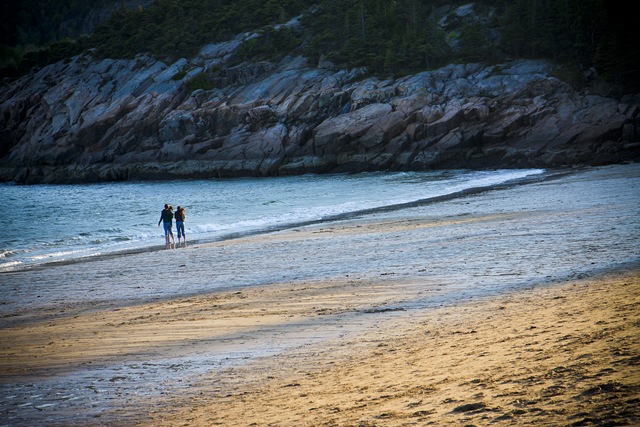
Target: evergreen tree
387, 36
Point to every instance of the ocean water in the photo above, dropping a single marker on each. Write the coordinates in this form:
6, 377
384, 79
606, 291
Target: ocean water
49, 223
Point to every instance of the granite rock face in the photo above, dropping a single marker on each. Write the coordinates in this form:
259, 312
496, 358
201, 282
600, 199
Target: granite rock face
100, 120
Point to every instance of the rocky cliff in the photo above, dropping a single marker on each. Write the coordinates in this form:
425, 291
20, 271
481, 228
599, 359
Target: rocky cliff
95, 120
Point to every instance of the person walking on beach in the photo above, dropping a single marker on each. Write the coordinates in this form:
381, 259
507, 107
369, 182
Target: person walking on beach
166, 217
180, 225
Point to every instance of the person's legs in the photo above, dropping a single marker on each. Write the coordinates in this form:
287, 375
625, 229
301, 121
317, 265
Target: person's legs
168, 235
181, 233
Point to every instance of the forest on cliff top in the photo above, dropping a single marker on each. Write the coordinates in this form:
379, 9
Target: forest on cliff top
389, 37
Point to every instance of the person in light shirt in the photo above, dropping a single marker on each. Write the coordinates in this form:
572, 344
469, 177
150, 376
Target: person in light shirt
180, 216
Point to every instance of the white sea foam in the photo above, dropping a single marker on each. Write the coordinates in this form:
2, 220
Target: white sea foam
6, 253
10, 265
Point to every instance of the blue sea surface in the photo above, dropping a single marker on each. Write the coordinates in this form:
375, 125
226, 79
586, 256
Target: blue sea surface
48, 223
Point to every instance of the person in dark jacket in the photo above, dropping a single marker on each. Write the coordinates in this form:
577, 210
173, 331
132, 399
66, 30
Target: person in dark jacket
166, 218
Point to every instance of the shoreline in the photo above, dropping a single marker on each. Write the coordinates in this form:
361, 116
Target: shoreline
384, 320
546, 175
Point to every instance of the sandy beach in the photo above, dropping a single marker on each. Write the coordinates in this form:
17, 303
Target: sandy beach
561, 356
518, 306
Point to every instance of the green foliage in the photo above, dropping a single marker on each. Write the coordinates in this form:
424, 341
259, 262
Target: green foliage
400, 36
177, 28
388, 37
270, 44
475, 45
200, 81
8, 56
179, 75
591, 33
572, 75
40, 22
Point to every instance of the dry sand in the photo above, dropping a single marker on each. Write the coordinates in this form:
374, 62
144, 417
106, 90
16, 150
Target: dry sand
555, 355
566, 355
499, 309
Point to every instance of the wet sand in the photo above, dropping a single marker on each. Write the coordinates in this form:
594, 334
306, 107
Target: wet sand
567, 355
511, 307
